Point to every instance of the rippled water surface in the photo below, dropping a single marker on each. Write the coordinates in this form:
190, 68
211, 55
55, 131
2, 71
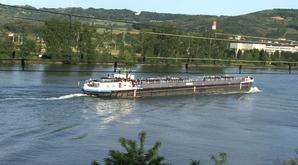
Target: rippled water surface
44, 119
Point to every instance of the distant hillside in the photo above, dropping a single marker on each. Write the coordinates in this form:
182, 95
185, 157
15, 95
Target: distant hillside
276, 23
268, 23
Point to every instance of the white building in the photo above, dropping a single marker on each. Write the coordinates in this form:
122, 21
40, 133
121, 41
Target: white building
272, 49
267, 47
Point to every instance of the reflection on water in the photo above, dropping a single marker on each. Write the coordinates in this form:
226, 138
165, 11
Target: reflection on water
110, 110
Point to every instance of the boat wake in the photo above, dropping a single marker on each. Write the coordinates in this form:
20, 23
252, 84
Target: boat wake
64, 97
70, 96
254, 90
251, 90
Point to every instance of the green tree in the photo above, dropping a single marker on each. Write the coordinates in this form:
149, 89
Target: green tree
28, 48
291, 162
128, 58
254, 54
195, 162
263, 57
220, 159
59, 38
103, 45
275, 56
135, 153
95, 163
288, 56
6, 47
239, 54
86, 46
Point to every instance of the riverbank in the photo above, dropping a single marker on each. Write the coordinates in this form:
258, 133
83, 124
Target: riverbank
189, 66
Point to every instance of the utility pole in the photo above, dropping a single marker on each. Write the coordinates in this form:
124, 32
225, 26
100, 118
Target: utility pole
69, 39
143, 48
123, 38
122, 52
188, 54
209, 53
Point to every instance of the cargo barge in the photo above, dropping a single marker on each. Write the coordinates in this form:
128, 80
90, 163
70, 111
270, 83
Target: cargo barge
127, 86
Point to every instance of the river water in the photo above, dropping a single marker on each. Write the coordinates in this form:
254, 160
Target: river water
44, 118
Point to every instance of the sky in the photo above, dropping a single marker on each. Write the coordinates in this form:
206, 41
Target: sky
194, 7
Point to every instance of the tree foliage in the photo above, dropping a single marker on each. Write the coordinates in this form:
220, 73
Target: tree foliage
195, 162
220, 159
6, 46
291, 162
28, 48
58, 37
85, 44
134, 153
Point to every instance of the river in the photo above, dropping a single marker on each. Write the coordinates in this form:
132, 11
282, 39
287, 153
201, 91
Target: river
44, 118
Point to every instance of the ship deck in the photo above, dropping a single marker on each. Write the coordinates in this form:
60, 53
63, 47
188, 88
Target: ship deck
184, 83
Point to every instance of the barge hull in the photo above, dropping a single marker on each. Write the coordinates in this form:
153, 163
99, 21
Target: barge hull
182, 90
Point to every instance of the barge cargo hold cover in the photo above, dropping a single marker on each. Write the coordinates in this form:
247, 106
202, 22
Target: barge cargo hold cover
126, 86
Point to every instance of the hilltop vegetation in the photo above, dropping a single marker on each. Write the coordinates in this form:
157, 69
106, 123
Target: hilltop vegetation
102, 35
267, 23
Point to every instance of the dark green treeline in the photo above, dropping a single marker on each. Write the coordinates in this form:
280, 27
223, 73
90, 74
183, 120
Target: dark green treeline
78, 41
